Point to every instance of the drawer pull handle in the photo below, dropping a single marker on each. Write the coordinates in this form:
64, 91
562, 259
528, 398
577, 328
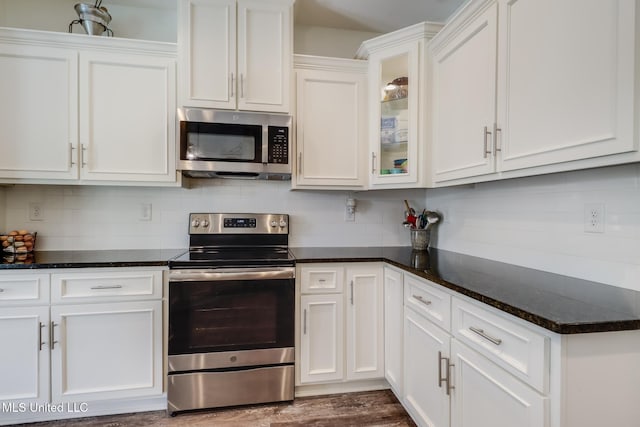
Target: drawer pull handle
483, 334
321, 280
100, 287
422, 300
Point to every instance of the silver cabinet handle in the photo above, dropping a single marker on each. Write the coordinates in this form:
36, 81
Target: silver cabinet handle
422, 300
304, 322
71, 148
82, 151
1, 290
447, 378
300, 162
52, 335
99, 287
496, 129
483, 334
241, 85
40, 342
232, 85
486, 139
373, 163
352, 292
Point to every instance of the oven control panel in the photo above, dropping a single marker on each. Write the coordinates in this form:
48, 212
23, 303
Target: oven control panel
215, 223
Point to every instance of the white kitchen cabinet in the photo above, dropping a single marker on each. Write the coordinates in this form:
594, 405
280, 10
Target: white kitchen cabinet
393, 329
127, 117
538, 99
106, 351
38, 112
487, 396
235, 54
322, 339
365, 327
340, 328
81, 335
109, 110
24, 359
397, 107
331, 123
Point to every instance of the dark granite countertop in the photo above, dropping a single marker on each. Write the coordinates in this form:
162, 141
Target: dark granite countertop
562, 304
89, 259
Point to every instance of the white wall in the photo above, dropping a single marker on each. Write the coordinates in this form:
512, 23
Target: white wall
108, 217
539, 222
322, 41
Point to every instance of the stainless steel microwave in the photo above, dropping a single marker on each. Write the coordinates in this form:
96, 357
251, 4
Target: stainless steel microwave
233, 144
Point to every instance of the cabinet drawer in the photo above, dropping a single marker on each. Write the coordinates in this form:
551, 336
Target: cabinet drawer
106, 286
429, 301
21, 289
519, 350
321, 279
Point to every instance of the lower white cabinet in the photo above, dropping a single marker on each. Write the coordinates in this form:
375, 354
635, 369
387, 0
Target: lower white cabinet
393, 329
487, 396
88, 339
341, 328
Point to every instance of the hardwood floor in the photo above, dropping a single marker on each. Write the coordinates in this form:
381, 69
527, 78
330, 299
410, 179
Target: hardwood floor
374, 408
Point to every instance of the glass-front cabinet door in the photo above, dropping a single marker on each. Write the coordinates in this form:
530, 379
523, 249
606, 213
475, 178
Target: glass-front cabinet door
395, 90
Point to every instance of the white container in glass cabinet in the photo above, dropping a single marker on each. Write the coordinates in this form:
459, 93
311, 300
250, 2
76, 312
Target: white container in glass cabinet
398, 94
92, 337
235, 54
340, 328
331, 123
109, 103
528, 87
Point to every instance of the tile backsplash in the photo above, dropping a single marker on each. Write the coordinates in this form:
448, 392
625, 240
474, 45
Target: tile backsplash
538, 222
80, 217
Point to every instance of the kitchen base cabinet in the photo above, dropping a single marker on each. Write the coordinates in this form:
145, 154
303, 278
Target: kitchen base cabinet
340, 325
393, 329
82, 341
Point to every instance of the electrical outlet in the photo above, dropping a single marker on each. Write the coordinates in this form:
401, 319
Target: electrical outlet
594, 217
145, 211
349, 215
36, 212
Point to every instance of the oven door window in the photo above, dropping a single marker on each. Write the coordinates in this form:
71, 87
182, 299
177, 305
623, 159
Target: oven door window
222, 142
229, 316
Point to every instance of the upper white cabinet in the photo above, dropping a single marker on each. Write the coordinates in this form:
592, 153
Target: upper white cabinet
86, 110
235, 54
397, 108
529, 84
331, 121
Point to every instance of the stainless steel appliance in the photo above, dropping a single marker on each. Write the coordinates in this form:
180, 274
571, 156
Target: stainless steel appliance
231, 313
233, 144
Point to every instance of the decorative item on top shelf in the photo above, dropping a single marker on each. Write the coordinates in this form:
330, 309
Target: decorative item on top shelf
18, 242
94, 19
420, 226
397, 89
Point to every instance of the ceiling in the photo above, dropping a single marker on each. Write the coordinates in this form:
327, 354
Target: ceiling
379, 16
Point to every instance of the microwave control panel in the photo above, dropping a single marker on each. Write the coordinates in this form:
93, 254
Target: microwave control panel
278, 144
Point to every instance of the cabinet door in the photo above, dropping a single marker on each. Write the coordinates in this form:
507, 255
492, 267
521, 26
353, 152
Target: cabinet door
487, 396
106, 351
365, 329
393, 329
207, 53
331, 133
426, 352
394, 92
264, 55
464, 100
565, 90
38, 112
321, 344
24, 359
127, 117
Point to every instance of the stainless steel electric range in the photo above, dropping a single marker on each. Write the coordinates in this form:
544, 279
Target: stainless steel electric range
231, 313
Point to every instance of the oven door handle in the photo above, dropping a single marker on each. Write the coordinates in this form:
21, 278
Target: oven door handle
226, 274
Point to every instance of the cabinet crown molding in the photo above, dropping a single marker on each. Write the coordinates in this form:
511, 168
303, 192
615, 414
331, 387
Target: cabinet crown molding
325, 63
422, 30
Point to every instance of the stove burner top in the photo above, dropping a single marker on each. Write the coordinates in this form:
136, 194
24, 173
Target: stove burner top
233, 257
